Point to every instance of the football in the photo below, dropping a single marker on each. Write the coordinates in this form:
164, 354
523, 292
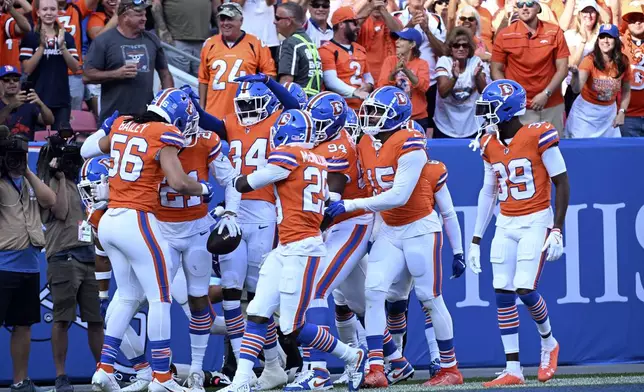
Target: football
222, 244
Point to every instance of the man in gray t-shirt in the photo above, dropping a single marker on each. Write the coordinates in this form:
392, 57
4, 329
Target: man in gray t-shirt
299, 60
123, 59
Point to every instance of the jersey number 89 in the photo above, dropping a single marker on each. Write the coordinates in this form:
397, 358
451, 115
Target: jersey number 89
516, 180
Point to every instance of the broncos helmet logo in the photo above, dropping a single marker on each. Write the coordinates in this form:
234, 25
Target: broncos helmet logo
284, 119
506, 89
401, 98
338, 108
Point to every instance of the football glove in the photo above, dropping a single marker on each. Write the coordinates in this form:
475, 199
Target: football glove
107, 123
554, 245
208, 191
474, 258
336, 208
229, 222
260, 77
458, 266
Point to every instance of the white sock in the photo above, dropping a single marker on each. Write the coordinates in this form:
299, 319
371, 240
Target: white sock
398, 340
513, 367
430, 336
244, 371
343, 351
362, 334
549, 343
347, 330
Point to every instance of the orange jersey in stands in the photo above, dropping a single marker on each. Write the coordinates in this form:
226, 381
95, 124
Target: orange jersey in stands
602, 87
136, 174
249, 147
635, 54
10, 41
342, 157
524, 183
220, 65
350, 65
97, 19
176, 207
376, 38
420, 68
380, 168
300, 196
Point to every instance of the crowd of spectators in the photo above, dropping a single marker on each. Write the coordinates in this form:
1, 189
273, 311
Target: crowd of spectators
581, 61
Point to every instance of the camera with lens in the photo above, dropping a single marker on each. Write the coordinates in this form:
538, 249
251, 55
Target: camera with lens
13, 152
61, 145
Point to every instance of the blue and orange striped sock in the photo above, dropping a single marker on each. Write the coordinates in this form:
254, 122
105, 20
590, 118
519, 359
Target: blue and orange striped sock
397, 321
109, 352
252, 344
448, 355
161, 354
376, 356
271, 352
234, 324
508, 317
539, 311
389, 349
199, 329
317, 316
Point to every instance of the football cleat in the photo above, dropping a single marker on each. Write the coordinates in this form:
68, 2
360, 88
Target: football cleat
399, 370
271, 378
446, 376
376, 378
548, 365
344, 378
170, 385
505, 378
434, 367
103, 381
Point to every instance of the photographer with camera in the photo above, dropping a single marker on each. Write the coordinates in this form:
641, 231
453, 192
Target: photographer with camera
21, 108
69, 250
22, 194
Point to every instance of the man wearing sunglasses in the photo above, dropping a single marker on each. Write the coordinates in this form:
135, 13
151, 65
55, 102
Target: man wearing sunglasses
317, 27
535, 54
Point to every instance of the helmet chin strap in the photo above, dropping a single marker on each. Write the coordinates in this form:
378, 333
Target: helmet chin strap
487, 128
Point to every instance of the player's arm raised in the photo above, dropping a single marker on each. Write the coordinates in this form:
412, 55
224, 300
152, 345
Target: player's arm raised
206, 120
281, 93
98, 143
177, 178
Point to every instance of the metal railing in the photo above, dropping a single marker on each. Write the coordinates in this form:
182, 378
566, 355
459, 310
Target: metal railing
179, 51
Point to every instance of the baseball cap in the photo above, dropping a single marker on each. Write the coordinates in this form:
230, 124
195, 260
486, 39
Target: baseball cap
343, 14
610, 30
9, 70
587, 3
410, 34
138, 5
231, 10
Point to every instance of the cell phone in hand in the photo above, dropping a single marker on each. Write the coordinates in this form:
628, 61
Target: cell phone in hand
27, 86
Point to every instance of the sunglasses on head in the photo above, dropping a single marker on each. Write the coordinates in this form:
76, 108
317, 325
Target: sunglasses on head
460, 45
528, 4
321, 5
470, 19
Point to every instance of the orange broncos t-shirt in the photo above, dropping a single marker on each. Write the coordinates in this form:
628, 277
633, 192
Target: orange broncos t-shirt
602, 87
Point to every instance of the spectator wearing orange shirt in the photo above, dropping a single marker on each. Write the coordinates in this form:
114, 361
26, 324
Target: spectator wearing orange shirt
535, 54
601, 76
344, 62
407, 71
633, 43
375, 35
13, 25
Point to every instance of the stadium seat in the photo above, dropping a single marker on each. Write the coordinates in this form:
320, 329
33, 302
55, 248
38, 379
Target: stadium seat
83, 121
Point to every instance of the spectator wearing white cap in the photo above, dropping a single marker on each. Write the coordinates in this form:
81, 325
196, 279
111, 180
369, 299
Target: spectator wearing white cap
461, 79
602, 75
410, 73
580, 38
317, 27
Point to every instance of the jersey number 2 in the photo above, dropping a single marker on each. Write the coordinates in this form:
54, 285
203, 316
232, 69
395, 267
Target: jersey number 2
128, 163
516, 180
313, 197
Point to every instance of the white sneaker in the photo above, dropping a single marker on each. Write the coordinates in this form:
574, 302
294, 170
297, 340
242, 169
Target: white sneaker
168, 386
357, 366
140, 383
195, 382
103, 381
237, 387
271, 378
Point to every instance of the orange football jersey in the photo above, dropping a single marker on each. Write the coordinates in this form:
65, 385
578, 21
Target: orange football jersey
249, 147
342, 157
436, 175
350, 65
301, 196
10, 41
380, 168
221, 65
136, 173
524, 183
176, 207
93, 217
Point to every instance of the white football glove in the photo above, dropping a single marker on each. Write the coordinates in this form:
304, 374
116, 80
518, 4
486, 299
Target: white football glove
474, 258
101, 192
228, 221
554, 245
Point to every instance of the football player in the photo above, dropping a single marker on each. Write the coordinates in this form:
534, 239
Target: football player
185, 223
520, 162
344, 61
287, 276
396, 167
247, 131
144, 150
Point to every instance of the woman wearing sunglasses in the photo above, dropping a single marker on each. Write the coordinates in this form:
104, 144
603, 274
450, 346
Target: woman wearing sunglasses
461, 78
601, 76
467, 16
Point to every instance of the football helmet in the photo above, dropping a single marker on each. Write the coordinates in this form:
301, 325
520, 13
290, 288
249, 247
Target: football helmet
385, 109
329, 113
176, 107
499, 102
91, 174
297, 92
352, 125
294, 127
254, 102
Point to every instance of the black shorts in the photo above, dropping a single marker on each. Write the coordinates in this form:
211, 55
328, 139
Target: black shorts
19, 298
